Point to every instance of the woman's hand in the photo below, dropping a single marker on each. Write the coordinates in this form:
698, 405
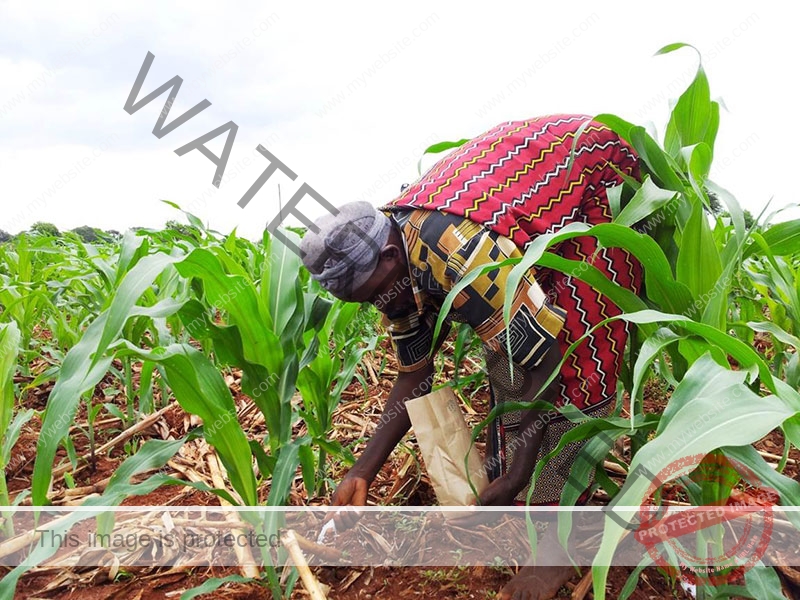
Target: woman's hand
352, 491
500, 492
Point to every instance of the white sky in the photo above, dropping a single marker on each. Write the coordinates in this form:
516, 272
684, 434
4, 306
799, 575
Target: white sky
348, 95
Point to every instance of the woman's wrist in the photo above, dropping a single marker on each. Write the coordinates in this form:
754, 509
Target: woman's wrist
363, 471
518, 478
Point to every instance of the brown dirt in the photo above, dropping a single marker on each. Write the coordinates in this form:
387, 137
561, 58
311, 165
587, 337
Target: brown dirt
401, 481
476, 582
343, 584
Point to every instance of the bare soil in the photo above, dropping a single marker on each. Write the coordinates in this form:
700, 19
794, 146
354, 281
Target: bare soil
401, 482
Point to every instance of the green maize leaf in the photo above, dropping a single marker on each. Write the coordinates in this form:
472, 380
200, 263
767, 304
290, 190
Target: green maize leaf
633, 578
791, 427
699, 266
288, 459
230, 262
257, 382
132, 248
291, 336
463, 283
713, 126
212, 585
660, 164
332, 447
793, 371
690, 119
726, 592
779, 281
343, 317
586, 429
172, 204
622, 297
195, 222
672, 47
578, 133
280, 283
532, 255
145, 391
287, 384
605, 482
11, 434
230, 243
661, 286
619, 125
741, 352
266, 463
736, 416
711, 484
153, 454
439, 147
600, 432
25, 307
160, 310
200, 390
310, 354
614, 195
779, 334
471, 276
655, 160
698, 160
601, 427
590, 456
306, 458
315, 399
745, 355
716, 310
351, 361
693, 348
319, 308
764, 583
9, 347
786, 487
783, 239
647, 199
136, 281
237, 296
651, 348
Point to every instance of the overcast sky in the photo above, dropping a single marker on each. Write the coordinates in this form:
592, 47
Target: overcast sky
348, 95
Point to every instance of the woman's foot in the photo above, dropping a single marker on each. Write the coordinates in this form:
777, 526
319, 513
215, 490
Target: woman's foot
536, 583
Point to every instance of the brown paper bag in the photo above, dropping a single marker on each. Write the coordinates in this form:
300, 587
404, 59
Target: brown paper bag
444, 440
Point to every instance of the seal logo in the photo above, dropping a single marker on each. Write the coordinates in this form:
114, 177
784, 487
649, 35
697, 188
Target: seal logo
716, 542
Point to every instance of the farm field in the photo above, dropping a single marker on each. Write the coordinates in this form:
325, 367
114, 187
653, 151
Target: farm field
186, 367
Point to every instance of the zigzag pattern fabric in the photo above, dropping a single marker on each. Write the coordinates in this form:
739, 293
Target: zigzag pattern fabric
521, 179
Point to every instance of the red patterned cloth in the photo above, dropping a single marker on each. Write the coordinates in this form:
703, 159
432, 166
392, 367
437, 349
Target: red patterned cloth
517, 180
